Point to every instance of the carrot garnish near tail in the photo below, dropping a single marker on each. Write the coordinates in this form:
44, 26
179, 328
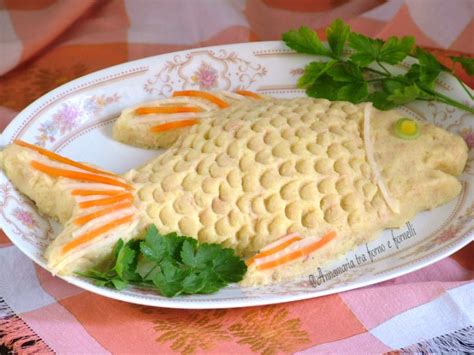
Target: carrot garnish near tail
249, 94
106, 201
204, 95
275, 247
76, 175
294, 250
61, 159
85, 192
94, 233
173, 125
166, 109
110, 196
79, 221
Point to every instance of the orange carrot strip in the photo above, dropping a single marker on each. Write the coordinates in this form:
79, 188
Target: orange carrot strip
76, 175
173, 125
56, 157
90, 235
298, 253
106, 201
81, 192
167, 109
273, 250
204, 95
248, 93
89, 217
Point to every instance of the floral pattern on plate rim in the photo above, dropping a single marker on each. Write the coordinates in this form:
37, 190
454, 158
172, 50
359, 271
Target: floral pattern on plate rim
18, 211
205, 70
70, 116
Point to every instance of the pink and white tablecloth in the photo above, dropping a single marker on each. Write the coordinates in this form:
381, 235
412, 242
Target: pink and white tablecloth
45, 43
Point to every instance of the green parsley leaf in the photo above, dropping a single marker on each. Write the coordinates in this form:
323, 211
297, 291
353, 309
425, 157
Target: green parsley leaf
337, 34
126, 261
429, 67
193, 283
366, 50
169, 279
106, 279
466, 63
228, 267
394, 50
312, 72
171, 264
119, 284
413, 74
157, 247
213, 281
328, 88
117, 247
146, 268
342, 81
353, 79
188, 253
205, 255
353, 92
390, 85
325, 88
305, 40
153, 246
380, 100
405, 94
346, 72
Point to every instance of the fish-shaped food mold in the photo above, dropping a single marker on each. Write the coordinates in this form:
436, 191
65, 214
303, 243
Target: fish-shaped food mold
290, 184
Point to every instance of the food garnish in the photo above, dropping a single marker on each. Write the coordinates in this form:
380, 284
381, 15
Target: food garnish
406, 128
127, 196
55, 157
86, 192
166, 109
171, 264
321, 177
275, 247
376, 177
94, 233
202, 94
168, 126
81, 220
297, 248
77, 175
248, 94
365, 74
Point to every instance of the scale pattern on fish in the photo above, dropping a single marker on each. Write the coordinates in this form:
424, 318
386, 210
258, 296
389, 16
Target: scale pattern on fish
261, 169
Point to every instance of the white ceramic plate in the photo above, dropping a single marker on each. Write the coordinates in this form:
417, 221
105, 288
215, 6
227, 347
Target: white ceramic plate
76, 120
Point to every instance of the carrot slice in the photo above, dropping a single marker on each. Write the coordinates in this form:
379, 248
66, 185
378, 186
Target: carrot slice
76, 175
248, 93
83, 192
89, 217
90, 235
56, 157
273, 250
166, 109
298, 253
203, 95
173, 125
106, 201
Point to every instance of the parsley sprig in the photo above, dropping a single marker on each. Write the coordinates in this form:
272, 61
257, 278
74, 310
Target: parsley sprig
171, 264
365, 74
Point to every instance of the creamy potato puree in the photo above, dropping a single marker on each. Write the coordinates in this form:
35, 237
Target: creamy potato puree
252, 173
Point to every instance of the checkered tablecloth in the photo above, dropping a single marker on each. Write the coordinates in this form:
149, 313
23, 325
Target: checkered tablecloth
45, 43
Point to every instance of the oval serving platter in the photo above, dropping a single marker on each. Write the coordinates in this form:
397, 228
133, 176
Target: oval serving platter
76, 120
